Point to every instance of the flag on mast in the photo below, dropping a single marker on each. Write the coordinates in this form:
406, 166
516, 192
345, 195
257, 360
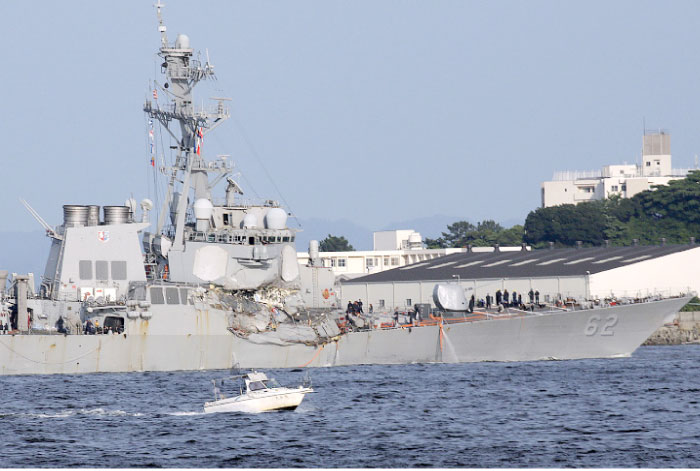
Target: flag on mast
151, 135
198, 142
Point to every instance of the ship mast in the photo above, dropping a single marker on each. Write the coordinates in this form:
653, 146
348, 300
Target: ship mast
183, 73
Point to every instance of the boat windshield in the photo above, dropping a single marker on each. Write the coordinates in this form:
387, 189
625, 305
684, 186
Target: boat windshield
256, 385
271, 383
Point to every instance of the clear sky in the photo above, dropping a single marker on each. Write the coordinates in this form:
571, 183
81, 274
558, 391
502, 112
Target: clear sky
373, 111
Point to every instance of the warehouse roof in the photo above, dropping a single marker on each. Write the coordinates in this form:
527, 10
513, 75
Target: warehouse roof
523, 264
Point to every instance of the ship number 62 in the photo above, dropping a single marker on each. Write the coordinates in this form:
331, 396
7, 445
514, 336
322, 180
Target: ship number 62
601, 325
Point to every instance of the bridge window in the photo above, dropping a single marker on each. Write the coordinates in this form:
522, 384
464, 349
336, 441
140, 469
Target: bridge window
185, 296
102, 270
85, 269
172, 296
157, 295
119, 270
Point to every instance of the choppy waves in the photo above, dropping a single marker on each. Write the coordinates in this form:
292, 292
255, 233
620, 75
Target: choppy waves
634, 412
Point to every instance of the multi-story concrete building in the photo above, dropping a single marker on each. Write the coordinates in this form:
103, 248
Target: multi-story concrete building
625, 180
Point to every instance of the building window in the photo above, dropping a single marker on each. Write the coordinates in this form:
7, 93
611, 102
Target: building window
381, 303
386, 261
624, 187
341, 262
613, 188
394, 261
332, 262
648, 164
408, 302
369, 262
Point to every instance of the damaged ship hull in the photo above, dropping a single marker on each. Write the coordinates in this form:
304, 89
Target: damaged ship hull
199, 339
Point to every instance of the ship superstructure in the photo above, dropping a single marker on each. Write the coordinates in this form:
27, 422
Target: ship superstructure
237, 246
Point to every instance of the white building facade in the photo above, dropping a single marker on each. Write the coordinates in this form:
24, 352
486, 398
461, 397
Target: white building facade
392, 249
625, 180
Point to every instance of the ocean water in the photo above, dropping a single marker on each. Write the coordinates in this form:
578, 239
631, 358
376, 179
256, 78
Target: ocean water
635, 412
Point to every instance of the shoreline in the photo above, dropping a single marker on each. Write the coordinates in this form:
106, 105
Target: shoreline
684, 330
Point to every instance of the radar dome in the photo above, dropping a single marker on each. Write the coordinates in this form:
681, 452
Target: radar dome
146, 204
250, 221
276, 218
203, 209
182, 42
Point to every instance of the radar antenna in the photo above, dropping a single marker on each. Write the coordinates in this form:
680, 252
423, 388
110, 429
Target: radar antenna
161, 27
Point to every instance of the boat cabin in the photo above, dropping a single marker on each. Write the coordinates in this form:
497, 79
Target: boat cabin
259, 381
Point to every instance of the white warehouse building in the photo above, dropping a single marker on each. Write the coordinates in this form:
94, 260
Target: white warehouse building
579, 273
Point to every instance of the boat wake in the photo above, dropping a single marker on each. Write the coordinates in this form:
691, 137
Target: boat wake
96, 412
181, 413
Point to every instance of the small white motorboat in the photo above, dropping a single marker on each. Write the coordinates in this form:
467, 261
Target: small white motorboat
258, 393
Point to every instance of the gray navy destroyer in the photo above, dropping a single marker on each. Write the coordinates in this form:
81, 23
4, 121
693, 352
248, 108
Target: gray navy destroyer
220, 285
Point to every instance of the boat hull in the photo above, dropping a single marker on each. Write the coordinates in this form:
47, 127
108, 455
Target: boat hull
267, 402
597, 333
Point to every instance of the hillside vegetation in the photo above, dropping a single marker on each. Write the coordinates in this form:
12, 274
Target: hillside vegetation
666, 211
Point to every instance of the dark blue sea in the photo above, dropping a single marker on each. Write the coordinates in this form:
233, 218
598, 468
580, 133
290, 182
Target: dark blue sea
636, 412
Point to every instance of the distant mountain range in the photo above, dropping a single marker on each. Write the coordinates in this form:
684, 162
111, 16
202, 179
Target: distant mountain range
26, 252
